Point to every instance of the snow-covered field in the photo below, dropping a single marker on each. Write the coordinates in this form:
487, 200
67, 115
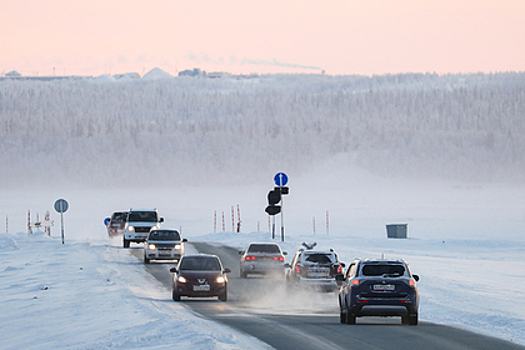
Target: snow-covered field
466, 241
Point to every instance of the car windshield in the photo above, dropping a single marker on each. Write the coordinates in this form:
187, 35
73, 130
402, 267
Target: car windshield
200, 264
318, 258
264, 248
149, 216
383, 269
164, 235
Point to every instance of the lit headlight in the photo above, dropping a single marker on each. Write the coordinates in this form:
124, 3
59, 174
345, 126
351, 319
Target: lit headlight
152, 247
181, 279
221, 279
177, 246
131, 228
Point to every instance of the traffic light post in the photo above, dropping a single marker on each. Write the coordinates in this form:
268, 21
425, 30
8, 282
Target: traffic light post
274, 197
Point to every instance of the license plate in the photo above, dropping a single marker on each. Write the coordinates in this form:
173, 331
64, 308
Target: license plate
384, 287
201, 288
317, 275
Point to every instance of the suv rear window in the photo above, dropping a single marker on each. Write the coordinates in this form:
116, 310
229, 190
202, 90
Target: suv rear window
318, 258
383, 269
119, 217
264, 248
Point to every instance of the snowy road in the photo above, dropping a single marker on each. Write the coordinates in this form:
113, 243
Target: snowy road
261, 308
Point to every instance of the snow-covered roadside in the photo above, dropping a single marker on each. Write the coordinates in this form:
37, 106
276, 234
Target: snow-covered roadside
84, 295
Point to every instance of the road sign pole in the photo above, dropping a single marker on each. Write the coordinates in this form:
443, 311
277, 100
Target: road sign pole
273, 226
62, 226
282, 220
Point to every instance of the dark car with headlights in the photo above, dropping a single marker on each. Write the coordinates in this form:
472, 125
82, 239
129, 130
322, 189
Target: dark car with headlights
378, 288
262, 259
200, 275
163, 244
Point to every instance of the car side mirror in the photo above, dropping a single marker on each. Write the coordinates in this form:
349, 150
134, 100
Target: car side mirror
185, 240
240, 252
227, 270
161, 220
173, 270
106, 221
287, 265
416, 277
339, 277
285, 253
343, 264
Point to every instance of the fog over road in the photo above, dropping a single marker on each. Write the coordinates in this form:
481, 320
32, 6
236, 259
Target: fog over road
309, 320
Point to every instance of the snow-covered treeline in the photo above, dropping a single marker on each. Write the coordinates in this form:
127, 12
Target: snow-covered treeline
173, 130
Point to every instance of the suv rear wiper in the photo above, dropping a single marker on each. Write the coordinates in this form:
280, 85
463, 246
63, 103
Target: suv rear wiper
397, 274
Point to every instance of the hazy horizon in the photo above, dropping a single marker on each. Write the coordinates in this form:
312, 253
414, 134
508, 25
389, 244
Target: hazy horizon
337, 37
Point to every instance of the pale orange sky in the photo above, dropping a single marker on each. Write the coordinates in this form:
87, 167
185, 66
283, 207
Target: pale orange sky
244, 36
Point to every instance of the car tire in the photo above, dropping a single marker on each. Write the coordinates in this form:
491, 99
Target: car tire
175, 296
125, 243
350, 317
412, 320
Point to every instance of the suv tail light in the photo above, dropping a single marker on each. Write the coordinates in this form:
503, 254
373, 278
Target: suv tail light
412, 283
297, 269
355, 283
250, 258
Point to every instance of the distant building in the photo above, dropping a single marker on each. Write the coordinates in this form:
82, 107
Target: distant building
195, 72
14, 75
218, 75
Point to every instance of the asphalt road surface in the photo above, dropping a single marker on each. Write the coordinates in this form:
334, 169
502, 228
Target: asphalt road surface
306, 320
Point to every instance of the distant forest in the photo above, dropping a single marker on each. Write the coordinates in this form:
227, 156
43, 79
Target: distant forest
196, 131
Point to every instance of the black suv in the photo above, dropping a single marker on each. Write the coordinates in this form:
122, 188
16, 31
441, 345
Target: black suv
116, 223
378, 288
313, 268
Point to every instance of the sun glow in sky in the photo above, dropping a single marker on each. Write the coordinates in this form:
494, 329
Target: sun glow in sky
367, 37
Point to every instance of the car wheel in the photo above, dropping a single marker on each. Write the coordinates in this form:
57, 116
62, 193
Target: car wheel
413, 320
350, 317
125, 243
175, 296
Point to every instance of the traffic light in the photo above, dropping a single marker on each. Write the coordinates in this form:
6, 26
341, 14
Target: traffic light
273, 209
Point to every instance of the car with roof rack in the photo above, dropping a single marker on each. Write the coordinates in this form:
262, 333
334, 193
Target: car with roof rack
314, 269
378, 287
138, 224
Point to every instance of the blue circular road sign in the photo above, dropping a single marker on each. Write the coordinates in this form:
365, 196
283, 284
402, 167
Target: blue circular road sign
61, 205
280, 179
